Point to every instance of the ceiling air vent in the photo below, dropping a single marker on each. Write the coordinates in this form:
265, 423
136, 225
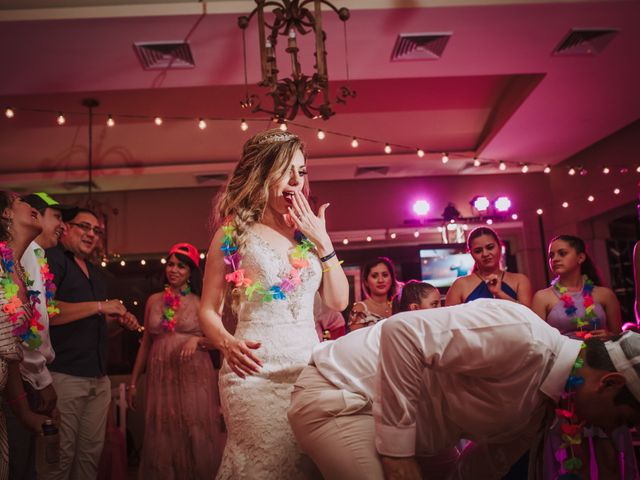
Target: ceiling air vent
585, 41
379, 170
211, 179
164, 55
419, 46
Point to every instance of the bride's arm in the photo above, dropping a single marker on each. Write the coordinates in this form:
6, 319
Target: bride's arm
237, 353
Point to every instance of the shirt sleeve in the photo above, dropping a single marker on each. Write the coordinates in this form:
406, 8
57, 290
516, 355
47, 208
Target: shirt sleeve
412, 343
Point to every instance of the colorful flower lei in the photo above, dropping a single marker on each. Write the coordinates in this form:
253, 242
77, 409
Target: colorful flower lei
29, 331
570, 427
288, 283
171, 305
590, 317
47, 281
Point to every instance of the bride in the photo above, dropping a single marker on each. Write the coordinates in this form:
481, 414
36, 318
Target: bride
265, 263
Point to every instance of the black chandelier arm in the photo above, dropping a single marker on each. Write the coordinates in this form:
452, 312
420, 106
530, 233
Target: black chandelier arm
343, 13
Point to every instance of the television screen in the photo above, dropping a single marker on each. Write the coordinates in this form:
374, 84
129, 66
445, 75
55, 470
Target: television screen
441, 266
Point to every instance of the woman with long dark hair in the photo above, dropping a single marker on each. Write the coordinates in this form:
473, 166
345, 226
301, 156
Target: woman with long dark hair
183, 435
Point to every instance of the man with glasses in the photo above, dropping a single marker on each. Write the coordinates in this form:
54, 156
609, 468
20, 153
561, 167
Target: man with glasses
79, 337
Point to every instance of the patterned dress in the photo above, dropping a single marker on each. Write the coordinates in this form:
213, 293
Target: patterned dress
260, 442
9, 352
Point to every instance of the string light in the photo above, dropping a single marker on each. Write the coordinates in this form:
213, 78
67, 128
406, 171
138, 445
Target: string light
244, 126
547, 169
103, 263
9, 112
369, 238
416, 234
420, 153
110, 121
638, 169
572, 171
143, 262
489, 221
135, 302
445, 158
321, 135
476, 162
514, 216
605, 170
123, 263
591, 198
283, 127
202, 255
157, 121
525, 168
60, 119
202, 124
354, 142
539, 211
393, 236
565, 204
163, 261
345, 241
502, 166
387, 148
616, 191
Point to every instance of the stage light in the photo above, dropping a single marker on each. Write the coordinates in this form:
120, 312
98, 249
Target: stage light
502, 204
421, 207
480, 203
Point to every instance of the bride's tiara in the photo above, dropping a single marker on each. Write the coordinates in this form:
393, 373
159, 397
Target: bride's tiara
278, 137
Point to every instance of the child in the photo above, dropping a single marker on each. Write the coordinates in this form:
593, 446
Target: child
418, 296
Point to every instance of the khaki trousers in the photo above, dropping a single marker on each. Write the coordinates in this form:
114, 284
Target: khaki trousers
83, 403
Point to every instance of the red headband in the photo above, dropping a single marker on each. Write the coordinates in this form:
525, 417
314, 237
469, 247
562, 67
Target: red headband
188, 251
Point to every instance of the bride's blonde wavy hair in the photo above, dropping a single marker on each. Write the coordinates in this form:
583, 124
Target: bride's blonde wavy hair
266, 159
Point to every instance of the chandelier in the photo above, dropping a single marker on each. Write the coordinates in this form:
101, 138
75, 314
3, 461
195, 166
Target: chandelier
299, 92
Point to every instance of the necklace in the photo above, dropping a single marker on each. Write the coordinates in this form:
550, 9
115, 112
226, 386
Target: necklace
27, 331
571, 449
386, 305
288, 283
570, 309
171, 304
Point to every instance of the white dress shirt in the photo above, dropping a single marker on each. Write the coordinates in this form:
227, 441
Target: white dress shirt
481, 371
34, 365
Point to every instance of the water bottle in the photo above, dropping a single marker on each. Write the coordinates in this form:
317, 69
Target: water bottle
47, 449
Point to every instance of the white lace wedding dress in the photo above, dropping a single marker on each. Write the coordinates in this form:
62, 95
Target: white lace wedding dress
260, 443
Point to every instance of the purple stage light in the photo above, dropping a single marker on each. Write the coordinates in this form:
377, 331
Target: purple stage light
502, 204
480, 203
421, 207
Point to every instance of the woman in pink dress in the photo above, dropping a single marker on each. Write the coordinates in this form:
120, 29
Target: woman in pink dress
183, 432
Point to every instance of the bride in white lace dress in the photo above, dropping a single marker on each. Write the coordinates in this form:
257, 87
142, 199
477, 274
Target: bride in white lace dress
266, 275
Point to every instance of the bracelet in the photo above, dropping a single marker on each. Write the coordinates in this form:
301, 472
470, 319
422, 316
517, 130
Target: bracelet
324, 270
328, 257
99, 308
17, 398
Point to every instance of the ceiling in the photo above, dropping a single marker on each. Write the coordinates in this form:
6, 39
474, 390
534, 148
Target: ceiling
497, 92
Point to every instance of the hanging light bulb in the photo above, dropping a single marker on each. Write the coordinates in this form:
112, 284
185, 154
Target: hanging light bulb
476, 162
572, 171
9, 112
354, 142
539, 211
103, 263
489, 221
420, 153
157, 121
547, 169
345, 241
202, 255
143, 262
393, 236
525, 168
202, 124
60, 119
283, 126
243, 125
638, 169
591, 198
445, 158
110, 121
321, 135
163, 261
123, 263
387, 148
514, 216
416, 234
502, 166
605, 170
616, 191
369, 238
565, 204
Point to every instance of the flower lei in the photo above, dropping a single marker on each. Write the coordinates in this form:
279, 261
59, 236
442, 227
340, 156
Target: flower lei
27, 331
570, 427
47, 281
288, 282
171, 304
590, 317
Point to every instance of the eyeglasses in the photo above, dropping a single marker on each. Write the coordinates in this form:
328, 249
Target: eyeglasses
87, 227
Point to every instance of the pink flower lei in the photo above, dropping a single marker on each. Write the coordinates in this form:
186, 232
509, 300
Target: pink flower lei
590, 318
29, 331
171, 304
255, 290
